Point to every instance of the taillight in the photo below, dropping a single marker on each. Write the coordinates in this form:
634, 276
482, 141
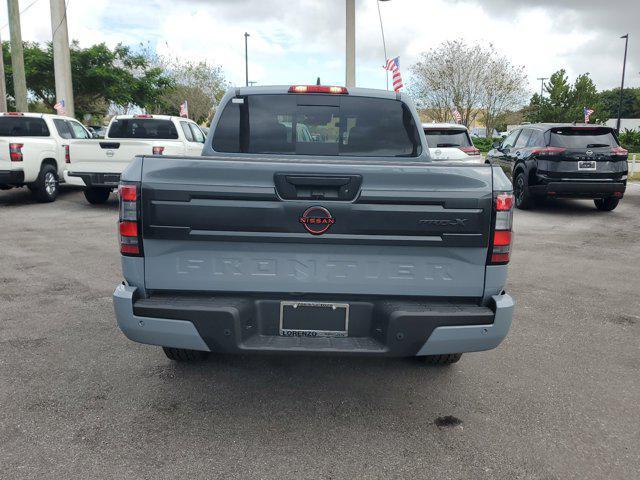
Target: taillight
158, 150
15, 151
619, 151
130, 228
548, 151
318, 89
67, 154
500, 248
470, 150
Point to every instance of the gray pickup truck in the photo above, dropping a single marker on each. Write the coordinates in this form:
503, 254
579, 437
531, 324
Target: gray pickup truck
314, 222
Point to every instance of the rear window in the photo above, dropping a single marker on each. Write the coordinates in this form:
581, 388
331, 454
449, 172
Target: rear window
582, 137
446, 138
23, 127
150, 128
317, 125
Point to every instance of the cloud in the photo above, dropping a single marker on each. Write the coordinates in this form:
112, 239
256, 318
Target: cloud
294, 42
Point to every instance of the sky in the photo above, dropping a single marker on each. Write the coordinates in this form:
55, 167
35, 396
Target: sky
295, 42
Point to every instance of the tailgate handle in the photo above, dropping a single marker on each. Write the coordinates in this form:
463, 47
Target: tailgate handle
109, 145
318, 181
317, 187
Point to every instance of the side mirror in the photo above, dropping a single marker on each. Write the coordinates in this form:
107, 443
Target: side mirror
496, 145
95, 135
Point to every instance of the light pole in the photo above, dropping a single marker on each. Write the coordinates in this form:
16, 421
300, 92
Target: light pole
246, 60
350, 43
542, 79
624, 66
384, 44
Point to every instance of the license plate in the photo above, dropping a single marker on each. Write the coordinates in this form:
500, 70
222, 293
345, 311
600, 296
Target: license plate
314, 319
586, 165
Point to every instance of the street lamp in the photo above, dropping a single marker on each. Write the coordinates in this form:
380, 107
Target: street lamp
624, 66
384, 45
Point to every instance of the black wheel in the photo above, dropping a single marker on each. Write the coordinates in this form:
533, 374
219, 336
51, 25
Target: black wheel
606, 204
184, 355
523, 197
46, 187
445, 359
97, 195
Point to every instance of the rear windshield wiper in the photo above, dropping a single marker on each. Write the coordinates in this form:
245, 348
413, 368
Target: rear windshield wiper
448, 145
594, 145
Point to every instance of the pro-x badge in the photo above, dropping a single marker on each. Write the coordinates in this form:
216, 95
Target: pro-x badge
317, 220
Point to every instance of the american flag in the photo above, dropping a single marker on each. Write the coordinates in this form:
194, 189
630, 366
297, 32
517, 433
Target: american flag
587, 113
184, 109
456, 115
59, 107
393, 65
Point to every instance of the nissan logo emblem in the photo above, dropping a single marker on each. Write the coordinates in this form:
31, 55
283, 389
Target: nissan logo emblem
317, 220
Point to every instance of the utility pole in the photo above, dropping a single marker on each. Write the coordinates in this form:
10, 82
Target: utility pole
542, 79
3, 85
62, 55
246, 59
17, 57
350, 43
624, 66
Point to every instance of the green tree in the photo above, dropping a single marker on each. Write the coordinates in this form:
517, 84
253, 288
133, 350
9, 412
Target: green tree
101, 77
584, 94
610, 100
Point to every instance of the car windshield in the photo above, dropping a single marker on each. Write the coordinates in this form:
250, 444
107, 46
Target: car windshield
446, 138
149, 128
583, 138
14, 126
323, 125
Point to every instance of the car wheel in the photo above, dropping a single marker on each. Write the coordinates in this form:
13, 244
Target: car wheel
97, 195
523, 197
445, 359
184, 355
46, 187
606, 204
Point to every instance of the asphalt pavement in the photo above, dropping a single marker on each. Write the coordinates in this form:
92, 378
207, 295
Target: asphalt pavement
559, 399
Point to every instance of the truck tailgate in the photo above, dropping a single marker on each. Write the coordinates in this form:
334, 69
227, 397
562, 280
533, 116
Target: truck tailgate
112, 155
238, 225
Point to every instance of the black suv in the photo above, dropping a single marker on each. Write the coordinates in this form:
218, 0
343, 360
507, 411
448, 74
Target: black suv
563, 160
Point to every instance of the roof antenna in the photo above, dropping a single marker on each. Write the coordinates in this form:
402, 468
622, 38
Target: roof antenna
318, 81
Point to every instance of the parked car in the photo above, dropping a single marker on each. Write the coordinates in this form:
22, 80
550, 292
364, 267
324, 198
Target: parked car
449, 141
563, 160
99, 163
355, 244
36, 151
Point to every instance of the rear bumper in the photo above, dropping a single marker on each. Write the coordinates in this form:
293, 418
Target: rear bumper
97, 179
11, 177
249, 325
576, 189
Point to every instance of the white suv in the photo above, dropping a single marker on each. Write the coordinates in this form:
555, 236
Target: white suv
448, 141
34, 151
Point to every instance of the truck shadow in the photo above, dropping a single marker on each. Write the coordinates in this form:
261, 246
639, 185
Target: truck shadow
294, 393
23, 196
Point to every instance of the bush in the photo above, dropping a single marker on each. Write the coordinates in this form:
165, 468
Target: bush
630, 140
484, 144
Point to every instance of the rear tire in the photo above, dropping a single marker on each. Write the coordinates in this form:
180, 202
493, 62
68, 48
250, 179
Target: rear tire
46, 187
445, 359
97, 195
184, 355
606, 204
523, 198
